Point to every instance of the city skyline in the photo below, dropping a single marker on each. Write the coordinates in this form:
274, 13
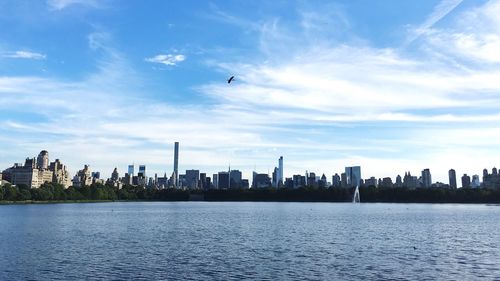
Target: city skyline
324, 90
36, 171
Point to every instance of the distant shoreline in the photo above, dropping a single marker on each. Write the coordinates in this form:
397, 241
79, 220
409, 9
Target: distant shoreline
96, 193
34, 202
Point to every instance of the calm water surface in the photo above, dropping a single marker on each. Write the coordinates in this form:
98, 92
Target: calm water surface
263, 241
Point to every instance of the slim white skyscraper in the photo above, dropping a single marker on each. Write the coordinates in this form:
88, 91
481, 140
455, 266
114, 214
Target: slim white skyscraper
280, 172
176, 164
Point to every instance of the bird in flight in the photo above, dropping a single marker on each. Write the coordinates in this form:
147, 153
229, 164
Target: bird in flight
230, 80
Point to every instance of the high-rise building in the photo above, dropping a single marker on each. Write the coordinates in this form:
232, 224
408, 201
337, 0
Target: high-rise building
176, 163
410, 181
371, 182
235, 178
452, 175
192, 178
426, 178
215, 180
353, 175
131, 170
323, 183
336, 180
311, 179
114, 175
262, 181
465, 181
37, 171
203, 181
491, 180
42, 161
386, 182
223, 180
142, 171
399, 182
83, 177
280, 171
299, 181
343, 180
275, 177
475, 182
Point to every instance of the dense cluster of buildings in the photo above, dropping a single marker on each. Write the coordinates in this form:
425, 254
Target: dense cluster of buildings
36, 171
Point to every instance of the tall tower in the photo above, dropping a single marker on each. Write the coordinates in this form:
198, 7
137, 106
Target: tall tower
453, 178
176, 164
280, 172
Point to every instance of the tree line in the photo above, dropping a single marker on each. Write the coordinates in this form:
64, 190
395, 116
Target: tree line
100, 192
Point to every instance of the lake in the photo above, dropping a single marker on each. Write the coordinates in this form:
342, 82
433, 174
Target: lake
249, 240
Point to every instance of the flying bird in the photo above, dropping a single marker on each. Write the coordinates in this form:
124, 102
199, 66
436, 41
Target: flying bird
230, 80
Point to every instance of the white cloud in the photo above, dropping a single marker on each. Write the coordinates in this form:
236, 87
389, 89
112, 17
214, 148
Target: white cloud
62, 4
168, 59
320, 106
439, 12
25, 55
475, 37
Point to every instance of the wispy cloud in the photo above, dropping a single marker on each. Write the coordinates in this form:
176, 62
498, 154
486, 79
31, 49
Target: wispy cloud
440, 11
25, 55
62, 4
476, 38
166, 59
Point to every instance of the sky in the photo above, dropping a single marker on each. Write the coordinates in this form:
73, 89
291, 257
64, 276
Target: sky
389, 85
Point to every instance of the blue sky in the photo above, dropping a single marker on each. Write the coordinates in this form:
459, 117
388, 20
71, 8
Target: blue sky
390, 85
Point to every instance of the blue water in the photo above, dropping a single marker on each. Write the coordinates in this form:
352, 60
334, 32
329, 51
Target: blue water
262, 241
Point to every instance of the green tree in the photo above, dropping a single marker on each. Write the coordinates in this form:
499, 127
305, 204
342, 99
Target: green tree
10, 193
72, 193
40, 194
23, 195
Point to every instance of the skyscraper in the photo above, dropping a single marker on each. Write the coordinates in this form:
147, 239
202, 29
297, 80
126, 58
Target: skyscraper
142, 171
275, 177
399, 182
426, 178
192, 178
176, 164
215, 181
452, 175
280, 171
203, 181
475, 182
235, 178
353, 175
336, 180
223, 180
131, 170
465, 181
